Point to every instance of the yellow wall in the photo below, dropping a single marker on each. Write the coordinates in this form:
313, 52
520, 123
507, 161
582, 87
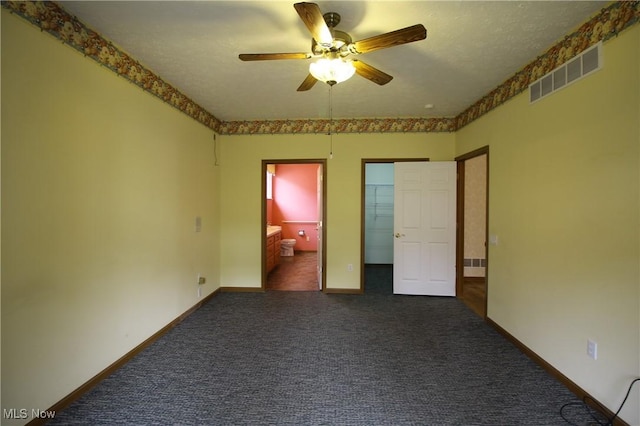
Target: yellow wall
564, 203
101, 184
241, 161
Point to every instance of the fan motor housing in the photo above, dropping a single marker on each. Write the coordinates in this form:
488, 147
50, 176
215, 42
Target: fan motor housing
340, 41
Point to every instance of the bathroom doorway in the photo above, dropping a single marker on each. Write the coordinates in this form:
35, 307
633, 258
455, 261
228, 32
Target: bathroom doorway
294, 216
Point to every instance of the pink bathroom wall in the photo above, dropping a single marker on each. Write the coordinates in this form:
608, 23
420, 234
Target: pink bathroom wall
295, 199
269, 211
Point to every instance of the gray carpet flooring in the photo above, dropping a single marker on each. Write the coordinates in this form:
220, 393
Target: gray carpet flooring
308, 358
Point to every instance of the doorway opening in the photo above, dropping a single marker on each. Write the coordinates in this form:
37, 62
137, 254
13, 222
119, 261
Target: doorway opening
377, 207
473, 214
293, 215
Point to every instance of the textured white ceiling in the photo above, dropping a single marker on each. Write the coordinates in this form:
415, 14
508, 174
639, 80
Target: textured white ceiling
471, 47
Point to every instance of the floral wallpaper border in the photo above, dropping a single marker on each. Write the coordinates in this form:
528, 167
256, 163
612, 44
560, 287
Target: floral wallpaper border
608, 23
52, 18
372, 125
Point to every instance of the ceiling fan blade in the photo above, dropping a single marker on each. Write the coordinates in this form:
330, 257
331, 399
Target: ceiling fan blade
308, 83
272, 56
394, 38
371, 73
312, 17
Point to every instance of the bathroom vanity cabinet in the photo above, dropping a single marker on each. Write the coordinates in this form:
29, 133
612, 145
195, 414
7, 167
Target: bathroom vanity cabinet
273, 247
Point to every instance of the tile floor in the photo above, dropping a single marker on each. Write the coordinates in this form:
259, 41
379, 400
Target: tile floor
295, 273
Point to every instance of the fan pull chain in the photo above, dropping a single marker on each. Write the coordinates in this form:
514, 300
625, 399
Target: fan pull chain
330, 121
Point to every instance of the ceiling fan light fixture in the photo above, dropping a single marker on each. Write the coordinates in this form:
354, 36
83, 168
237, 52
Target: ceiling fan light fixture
334, 46
332, 70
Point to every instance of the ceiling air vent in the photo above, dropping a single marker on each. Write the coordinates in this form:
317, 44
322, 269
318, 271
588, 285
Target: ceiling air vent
571, 71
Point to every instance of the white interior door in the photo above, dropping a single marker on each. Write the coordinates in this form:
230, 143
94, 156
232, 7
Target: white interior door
320, 225
424, 249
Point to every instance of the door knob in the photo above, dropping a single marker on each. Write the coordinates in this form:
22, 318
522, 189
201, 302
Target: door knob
398, 235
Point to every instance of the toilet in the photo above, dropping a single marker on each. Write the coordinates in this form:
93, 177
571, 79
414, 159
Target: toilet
286, 246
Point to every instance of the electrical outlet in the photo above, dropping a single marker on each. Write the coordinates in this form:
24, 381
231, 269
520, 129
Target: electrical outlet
350, 267
592, 349
199, 292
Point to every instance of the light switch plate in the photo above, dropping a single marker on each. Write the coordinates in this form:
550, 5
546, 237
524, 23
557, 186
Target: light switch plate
592, 349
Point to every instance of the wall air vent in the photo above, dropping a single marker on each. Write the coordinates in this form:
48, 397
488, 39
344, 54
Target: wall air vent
571, 71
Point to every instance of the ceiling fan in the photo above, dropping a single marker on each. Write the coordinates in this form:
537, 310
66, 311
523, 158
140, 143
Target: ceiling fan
333, 47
